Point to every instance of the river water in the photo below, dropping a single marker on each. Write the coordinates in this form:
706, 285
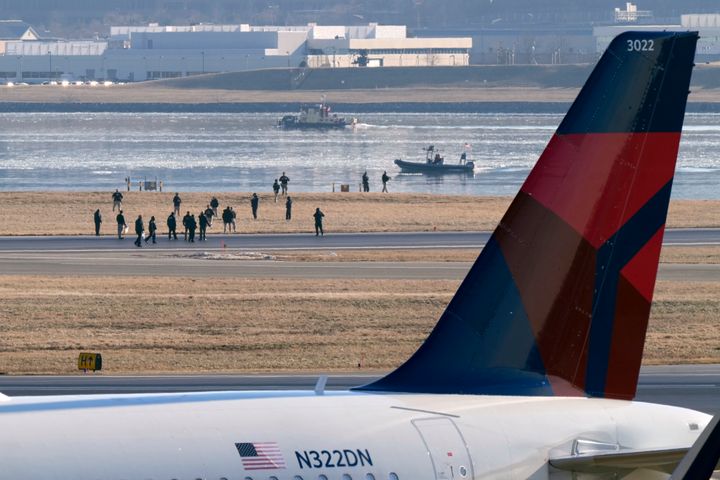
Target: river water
245, 152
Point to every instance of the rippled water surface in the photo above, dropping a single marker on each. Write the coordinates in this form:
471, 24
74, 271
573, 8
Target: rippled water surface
245, 152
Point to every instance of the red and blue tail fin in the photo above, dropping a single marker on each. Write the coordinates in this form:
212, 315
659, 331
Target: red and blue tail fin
558, 301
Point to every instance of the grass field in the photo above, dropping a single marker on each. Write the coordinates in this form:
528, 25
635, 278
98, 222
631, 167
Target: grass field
154, 325
70, 213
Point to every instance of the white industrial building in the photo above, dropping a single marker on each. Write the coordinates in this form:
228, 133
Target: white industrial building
136, 53
708, 25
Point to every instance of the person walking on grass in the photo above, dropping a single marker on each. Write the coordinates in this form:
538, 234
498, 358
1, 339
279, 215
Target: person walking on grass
284, 179
204, 222
209, 214
176, 204
385, 179
214, 203
276, 189
121, 224
288, 209
228, 220
318, 215
97, 218
365, 182
254, 203
233, 217
117, 198
152, 228
172, 226
139, 230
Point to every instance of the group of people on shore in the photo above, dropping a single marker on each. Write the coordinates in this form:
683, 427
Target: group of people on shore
204, 220
366, 182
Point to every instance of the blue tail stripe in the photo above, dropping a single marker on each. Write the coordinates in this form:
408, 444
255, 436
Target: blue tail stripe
611, 259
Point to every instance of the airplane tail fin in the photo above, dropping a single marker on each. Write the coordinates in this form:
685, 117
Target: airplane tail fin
558, 301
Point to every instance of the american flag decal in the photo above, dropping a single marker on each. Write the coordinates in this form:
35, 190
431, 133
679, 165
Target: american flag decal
261, 456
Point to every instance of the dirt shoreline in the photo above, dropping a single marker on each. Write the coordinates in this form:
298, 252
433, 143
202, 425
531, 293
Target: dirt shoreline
71, 213
149, 93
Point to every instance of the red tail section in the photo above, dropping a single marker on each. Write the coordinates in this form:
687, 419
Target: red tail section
558, 301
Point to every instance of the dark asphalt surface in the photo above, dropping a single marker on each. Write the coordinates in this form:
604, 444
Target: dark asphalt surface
183, 264
690, 386
308, 241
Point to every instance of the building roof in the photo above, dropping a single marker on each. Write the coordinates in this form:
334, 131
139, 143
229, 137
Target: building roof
14, 29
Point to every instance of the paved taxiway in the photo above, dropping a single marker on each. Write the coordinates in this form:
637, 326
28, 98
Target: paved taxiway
692, 236
106, 255
172, 265
690, 386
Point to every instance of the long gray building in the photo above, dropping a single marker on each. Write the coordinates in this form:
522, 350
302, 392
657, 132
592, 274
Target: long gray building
138, 53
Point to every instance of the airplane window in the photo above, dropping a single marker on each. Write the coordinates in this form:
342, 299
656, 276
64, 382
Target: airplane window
393, 476
346, 477
248, 478
369, 476
297, 477
272, 477
322, 477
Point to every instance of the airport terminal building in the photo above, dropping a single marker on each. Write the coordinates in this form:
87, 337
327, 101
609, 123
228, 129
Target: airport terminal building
138, 53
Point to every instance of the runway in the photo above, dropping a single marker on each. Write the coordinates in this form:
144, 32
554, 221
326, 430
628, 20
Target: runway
689, 386
297, 241
162, 264
109, 256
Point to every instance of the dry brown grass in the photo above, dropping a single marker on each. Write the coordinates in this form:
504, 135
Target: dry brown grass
70, 213
153, 325
684, 324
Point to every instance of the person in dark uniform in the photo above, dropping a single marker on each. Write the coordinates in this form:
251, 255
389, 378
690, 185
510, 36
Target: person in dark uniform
186, 222
226, 219
254, 202
139, 230
385, 179
365, 182
203, 221
214, 203
121, 224
176, 204
209, 215
288, 208
172, 225
318, 215
276, 189
152, 228
97, 218
117, 198
191, 226
283, 183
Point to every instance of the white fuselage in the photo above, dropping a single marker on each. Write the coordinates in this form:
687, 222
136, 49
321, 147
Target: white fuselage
339, 436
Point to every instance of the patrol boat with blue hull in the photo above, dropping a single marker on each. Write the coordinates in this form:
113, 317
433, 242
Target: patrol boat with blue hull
435, 164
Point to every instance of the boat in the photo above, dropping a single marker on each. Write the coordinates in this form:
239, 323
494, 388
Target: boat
434, 163
316, 117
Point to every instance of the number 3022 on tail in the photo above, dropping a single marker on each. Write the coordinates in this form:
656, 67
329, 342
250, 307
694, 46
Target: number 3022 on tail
645, 45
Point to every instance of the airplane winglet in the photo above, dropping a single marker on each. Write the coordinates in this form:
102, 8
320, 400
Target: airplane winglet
703, 457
